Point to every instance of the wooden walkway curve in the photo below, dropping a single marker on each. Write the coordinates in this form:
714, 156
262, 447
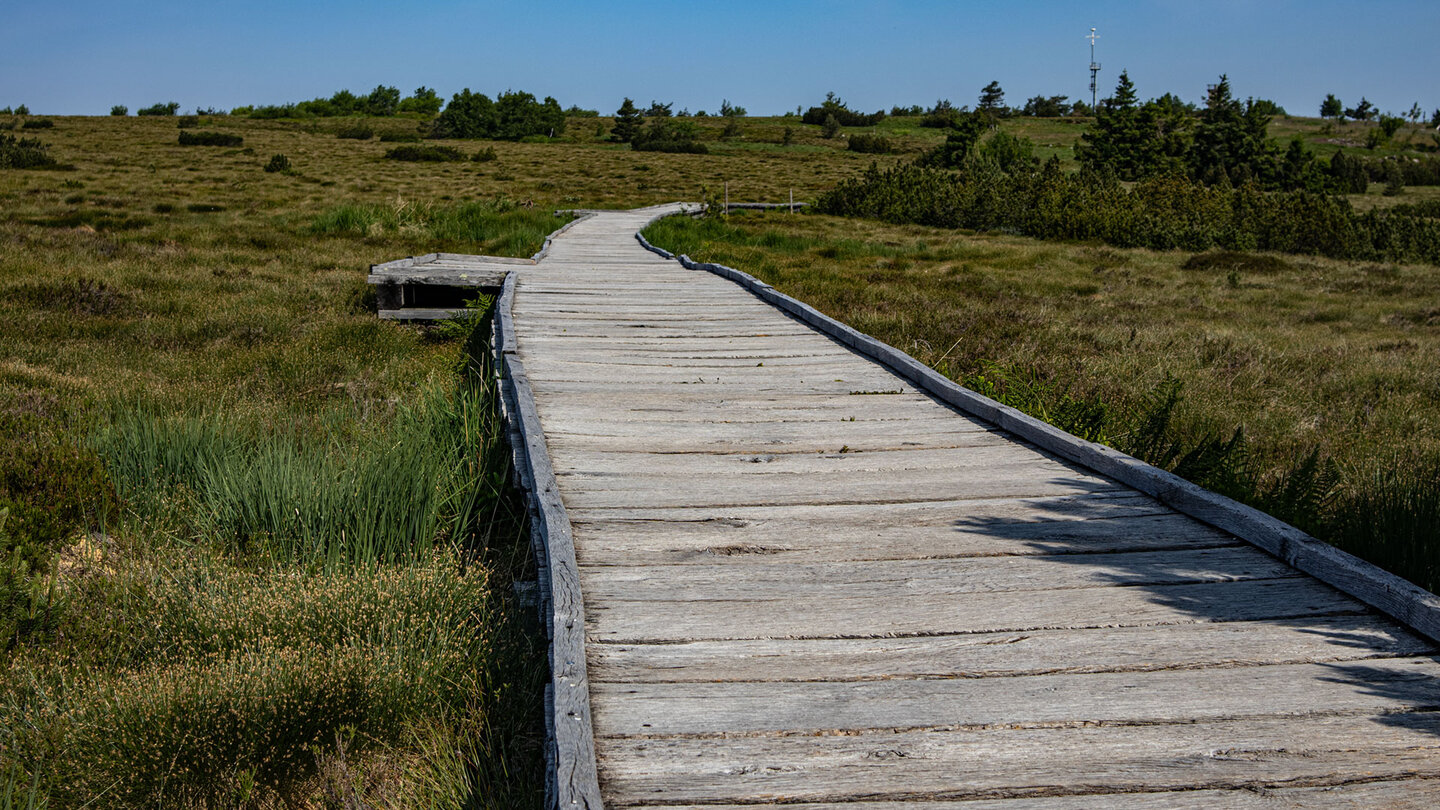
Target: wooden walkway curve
800, 580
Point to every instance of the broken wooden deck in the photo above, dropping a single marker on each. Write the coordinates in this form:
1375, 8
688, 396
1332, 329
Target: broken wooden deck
778, 572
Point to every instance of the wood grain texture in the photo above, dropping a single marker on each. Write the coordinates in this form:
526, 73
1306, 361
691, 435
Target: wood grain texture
1037, 652
1110, 763
809, 572
1159, 697
625, 621
1412, 605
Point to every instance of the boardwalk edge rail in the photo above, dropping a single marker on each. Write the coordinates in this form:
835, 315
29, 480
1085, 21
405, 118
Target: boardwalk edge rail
571, 778
1397, 597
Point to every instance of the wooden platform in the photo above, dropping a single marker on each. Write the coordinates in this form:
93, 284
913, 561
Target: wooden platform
803, 581
405, 288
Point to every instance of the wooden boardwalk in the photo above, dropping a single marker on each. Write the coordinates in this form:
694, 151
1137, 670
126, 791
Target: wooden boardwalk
805, 582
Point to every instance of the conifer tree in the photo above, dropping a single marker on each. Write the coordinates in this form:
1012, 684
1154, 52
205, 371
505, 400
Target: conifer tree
628, 121
1117, 139
1229, 139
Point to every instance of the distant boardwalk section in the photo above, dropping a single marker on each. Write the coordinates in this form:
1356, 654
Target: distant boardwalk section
777, 572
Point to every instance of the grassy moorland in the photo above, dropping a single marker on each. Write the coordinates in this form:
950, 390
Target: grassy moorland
258, 547
210, 595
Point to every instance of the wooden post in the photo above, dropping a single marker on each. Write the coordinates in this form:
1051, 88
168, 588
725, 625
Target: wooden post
727, 198
792, 200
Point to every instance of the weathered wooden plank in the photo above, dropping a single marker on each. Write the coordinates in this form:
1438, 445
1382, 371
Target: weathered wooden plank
1419, 793
1008, 611
1125, 649
700, 541
1026, 478
1346, 751
992, 451
742, 576
419, 314
1167, 696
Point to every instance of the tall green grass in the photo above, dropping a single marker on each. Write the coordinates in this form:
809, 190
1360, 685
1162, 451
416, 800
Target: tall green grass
499, 226
435, 472
315, 610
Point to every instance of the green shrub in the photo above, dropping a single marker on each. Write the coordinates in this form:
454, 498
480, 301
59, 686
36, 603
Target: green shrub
1160, 213
485, 155
668, 135
21, 109
425, 154
394, 136
187, 121
833, 107
869, 143
511, 116
120, 110
210, 138
23, 153
169, 108
204, 208
355, 132
37, 123
278, 163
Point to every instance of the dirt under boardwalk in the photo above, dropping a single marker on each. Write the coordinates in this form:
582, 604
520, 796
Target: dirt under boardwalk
806, 582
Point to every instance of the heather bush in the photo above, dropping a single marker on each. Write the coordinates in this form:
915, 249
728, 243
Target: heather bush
869, 143
425, 154
355, 132
209, 138
24, 153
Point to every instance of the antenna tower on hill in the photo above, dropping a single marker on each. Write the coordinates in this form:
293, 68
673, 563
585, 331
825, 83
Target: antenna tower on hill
1094, 66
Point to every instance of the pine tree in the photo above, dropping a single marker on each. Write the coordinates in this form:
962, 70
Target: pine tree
1331, 107
628, 121
1117, 139
1230, 139
992, 100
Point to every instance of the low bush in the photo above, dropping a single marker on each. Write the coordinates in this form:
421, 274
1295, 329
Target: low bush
356, 132
485, 155
425, 154
37, 123
1162, 213
187, 121
669, 135
119, 110
210, 138
278, 163
868, 143
169, 108
394, 136
24, 153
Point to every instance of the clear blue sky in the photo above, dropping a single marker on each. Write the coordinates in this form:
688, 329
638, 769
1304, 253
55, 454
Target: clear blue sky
82, 57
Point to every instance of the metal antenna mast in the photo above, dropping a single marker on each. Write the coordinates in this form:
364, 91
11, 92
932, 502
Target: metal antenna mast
1094, 66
